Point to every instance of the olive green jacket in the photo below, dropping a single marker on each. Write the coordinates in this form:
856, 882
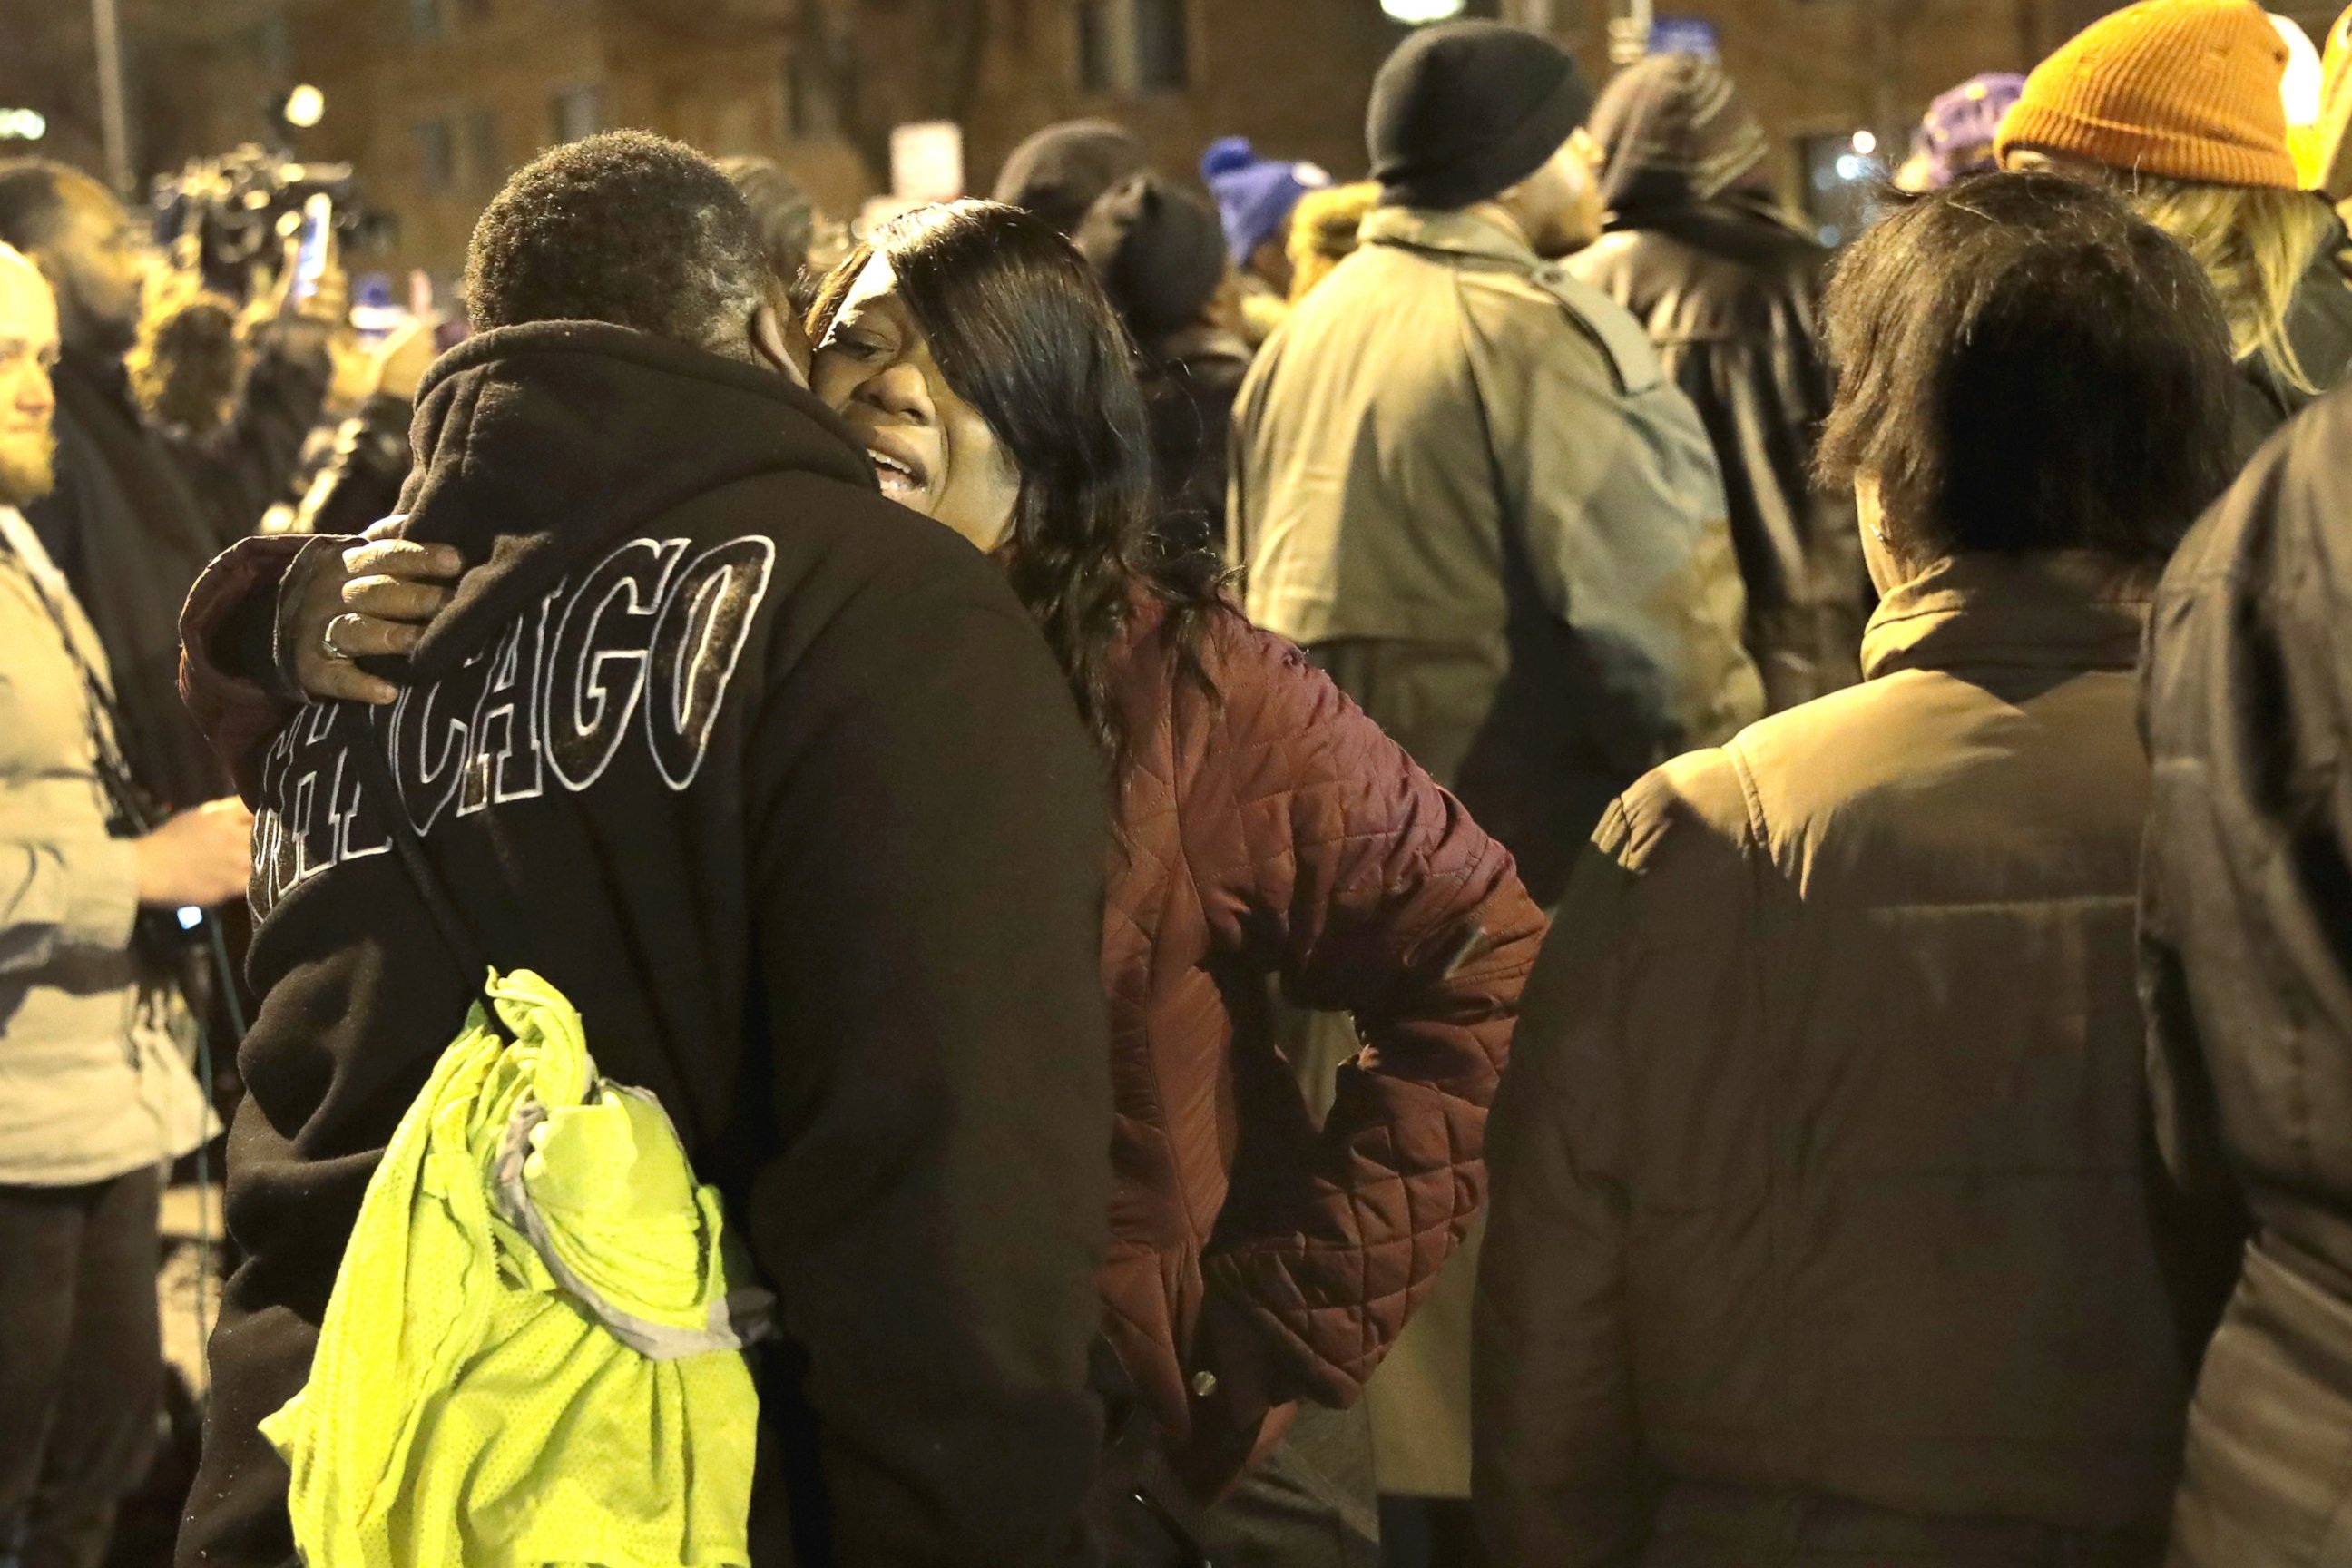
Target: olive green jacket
1457, 452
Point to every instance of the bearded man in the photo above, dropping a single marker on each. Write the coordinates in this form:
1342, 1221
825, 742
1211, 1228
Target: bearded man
95, 1096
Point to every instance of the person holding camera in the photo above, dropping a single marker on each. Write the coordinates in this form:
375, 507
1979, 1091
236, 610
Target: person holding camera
138, 510
95, 1094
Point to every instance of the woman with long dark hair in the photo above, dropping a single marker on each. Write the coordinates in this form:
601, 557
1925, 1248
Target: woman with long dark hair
1268, 831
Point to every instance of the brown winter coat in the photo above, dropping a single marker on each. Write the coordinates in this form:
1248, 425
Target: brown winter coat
1272, 831
1822, 1224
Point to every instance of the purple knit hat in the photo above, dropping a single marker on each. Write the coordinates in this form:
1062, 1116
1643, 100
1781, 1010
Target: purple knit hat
1255, 195
1957, 136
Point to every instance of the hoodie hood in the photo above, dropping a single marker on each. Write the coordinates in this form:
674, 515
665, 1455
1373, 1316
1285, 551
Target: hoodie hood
1673, 131
536, 443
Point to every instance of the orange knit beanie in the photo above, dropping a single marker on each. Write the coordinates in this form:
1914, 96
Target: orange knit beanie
2185, 89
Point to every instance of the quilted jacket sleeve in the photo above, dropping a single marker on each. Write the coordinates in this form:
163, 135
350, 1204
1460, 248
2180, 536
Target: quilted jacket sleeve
1369, 890
226, 677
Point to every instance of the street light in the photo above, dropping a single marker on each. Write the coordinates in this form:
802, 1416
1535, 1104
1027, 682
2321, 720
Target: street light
305, 107
23, 125
1416, 11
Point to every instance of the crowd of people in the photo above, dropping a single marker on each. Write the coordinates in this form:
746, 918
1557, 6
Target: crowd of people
1487, 867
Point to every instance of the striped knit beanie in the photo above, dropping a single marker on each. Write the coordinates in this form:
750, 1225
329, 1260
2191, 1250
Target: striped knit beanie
2184, 88
1672, 129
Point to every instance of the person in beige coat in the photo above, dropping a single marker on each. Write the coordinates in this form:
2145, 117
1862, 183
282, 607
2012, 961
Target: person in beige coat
1465, 484
1826, 1227
93, 1093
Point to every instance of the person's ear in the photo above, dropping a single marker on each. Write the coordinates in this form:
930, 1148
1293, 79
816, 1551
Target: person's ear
781, 343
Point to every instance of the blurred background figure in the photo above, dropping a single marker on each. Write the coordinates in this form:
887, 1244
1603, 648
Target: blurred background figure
1956, 138
1161, 255
95, 1092
1255, 197
787, 219
141, 506
1060, 171
2176, 105
1323, 231
2324, 157
1728, 292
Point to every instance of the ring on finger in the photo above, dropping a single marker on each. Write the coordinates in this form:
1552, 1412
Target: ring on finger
326, 643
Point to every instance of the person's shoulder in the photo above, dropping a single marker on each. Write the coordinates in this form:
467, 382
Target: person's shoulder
842, 559
1546, 316
1695, 809
1254, 690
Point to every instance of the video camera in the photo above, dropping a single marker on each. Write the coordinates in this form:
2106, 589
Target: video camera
236, 205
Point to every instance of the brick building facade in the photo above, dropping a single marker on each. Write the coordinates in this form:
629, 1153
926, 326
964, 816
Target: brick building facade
436, 101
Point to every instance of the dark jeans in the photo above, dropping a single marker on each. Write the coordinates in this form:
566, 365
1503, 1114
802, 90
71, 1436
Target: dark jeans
82, 1363
1308, 1504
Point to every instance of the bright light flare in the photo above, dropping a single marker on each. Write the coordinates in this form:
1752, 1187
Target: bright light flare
305, 107
1416, 11
2301, 88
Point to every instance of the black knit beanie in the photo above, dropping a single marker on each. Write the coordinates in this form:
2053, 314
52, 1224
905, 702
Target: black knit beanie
1160, 251
1463, 111
1057, 173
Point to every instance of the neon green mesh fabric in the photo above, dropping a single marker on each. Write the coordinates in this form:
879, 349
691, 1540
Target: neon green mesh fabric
466, 1409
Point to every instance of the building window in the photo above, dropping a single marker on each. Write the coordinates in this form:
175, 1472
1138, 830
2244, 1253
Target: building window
1097, 46
424, 19
1133, 46
577, 113
436, 156
810, 113
1162, 51
485, 170
1841, 186
273, 49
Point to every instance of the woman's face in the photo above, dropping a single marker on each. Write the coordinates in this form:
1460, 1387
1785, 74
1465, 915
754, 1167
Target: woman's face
931, 449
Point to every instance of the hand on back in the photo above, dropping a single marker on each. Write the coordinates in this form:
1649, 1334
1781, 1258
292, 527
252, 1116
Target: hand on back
371, 598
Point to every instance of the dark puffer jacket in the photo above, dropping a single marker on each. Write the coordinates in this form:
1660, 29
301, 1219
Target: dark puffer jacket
1272, 830
1730, 297
2247, 968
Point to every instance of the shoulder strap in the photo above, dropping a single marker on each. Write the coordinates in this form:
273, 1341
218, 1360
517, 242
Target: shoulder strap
1630, 353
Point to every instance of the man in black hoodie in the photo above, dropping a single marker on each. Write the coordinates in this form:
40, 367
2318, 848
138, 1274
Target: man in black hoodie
777, 782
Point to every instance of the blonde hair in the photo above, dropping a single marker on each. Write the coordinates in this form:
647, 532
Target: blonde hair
2253, 242
1323, 231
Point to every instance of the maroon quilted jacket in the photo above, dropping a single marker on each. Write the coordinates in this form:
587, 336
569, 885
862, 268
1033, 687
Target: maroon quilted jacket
1273, 832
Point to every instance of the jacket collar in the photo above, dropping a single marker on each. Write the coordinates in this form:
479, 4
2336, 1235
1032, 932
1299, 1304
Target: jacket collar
1454, 233
2046, 609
